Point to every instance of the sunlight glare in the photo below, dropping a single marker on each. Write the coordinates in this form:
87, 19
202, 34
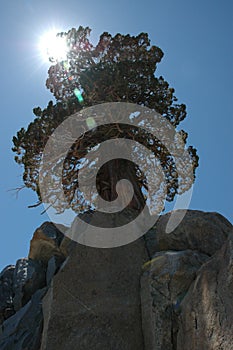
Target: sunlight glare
52, 47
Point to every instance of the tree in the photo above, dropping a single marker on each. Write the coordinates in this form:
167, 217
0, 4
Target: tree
118, 69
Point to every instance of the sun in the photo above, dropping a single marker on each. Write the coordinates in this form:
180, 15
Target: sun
53, 47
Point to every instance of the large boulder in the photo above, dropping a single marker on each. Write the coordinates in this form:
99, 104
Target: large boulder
164, 283
94, 300
46, 242
23, 286
206, 314
201, 231
184, 278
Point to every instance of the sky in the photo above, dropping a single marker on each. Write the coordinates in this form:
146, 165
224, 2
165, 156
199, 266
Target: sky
196, 38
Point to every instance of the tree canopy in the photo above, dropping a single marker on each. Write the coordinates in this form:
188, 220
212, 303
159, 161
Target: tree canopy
118, 68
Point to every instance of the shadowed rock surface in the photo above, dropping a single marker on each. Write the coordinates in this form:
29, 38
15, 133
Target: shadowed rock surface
6, 293
29, 276
94, 301
165, 291
165, 281
206, 317
23, 330
22, 288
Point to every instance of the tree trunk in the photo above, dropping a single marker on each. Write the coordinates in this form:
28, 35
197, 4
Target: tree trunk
114, 171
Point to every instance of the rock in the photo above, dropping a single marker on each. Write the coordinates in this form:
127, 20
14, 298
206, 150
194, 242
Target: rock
23, 330
6, 293
205, 232
94, 300
46, 241
206, 318
164, 283
53, 266
67, 246
29, 276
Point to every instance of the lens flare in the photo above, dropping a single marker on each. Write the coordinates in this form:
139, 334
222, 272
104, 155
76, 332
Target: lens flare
78, 94
91, 122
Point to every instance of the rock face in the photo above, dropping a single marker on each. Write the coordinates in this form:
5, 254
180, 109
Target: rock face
165, 291
193, 255
45, 242
206, 318
165, 282
204, 232
22, 288
23, 329
6, 293
29, 276
94, 301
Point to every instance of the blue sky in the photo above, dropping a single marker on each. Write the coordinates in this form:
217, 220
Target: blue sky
196, 38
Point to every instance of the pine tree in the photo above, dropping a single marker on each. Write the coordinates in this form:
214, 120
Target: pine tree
119, 68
